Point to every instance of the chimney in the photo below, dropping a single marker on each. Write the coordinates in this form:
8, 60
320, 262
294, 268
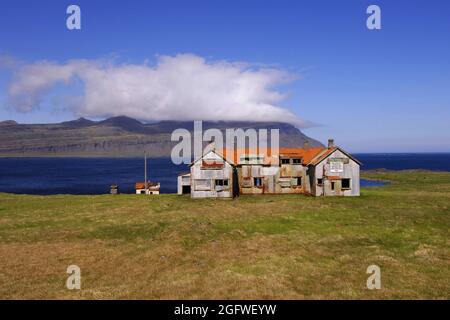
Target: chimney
210, 146
306, 144
330, 143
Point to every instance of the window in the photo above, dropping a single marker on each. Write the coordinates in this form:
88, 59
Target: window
202, 184
332, 185
285, 182
298, 181
336, 165
246, 182
257, 182
284, 161
345, 184
222, 182
320, 182
296, 161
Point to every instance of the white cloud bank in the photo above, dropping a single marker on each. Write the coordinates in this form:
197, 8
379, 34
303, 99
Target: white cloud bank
181, 87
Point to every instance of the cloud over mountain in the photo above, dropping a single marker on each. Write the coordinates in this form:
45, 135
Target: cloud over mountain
181, 87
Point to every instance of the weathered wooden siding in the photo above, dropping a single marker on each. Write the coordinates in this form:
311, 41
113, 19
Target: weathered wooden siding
203, 180
254, 176
323, 171
275, 179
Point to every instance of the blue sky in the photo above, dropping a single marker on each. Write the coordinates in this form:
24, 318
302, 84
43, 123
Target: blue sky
382, 90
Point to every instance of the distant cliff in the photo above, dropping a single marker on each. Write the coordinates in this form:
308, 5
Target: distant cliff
118, 136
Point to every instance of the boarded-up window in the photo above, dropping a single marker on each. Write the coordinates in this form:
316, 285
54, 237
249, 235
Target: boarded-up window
247, 182
336, 165
285, 183
202, 184
186, 180
256, 171
246, 171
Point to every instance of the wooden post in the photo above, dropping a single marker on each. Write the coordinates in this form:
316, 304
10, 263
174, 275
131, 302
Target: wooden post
145, 172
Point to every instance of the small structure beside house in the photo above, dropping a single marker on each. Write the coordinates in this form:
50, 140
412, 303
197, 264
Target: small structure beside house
315, 171
147, 187
184, 183
150, 188
114, 189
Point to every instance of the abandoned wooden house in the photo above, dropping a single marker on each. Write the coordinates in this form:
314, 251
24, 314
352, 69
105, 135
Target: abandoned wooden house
334, 172
211, 176
314, 171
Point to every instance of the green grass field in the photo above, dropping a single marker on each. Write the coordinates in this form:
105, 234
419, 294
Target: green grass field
269, 247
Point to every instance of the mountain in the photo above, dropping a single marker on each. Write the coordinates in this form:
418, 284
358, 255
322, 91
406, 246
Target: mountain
118, 136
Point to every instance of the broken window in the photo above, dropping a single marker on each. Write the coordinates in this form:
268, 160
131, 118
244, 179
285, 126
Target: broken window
284, 161
297, 181
345, 184
296, 161
257, 182
222, 182
320, 182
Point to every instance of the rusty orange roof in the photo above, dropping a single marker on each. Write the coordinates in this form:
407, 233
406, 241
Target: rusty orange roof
150, 185
329, 151
140, 185
319, 157
306, 154
212, 164
235, 154
309, 156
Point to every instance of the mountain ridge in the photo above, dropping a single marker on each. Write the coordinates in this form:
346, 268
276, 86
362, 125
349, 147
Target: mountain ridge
118, 136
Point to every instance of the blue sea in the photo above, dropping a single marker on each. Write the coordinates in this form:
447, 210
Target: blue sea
95, 175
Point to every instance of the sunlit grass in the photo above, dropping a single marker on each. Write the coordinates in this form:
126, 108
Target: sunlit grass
254, 247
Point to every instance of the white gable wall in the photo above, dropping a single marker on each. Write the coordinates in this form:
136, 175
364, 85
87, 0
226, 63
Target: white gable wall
203, 179
350, 171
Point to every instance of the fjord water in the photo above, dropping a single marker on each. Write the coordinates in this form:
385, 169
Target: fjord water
95, 175
84, 175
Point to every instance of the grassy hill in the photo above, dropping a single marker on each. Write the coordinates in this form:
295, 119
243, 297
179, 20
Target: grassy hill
270, 247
